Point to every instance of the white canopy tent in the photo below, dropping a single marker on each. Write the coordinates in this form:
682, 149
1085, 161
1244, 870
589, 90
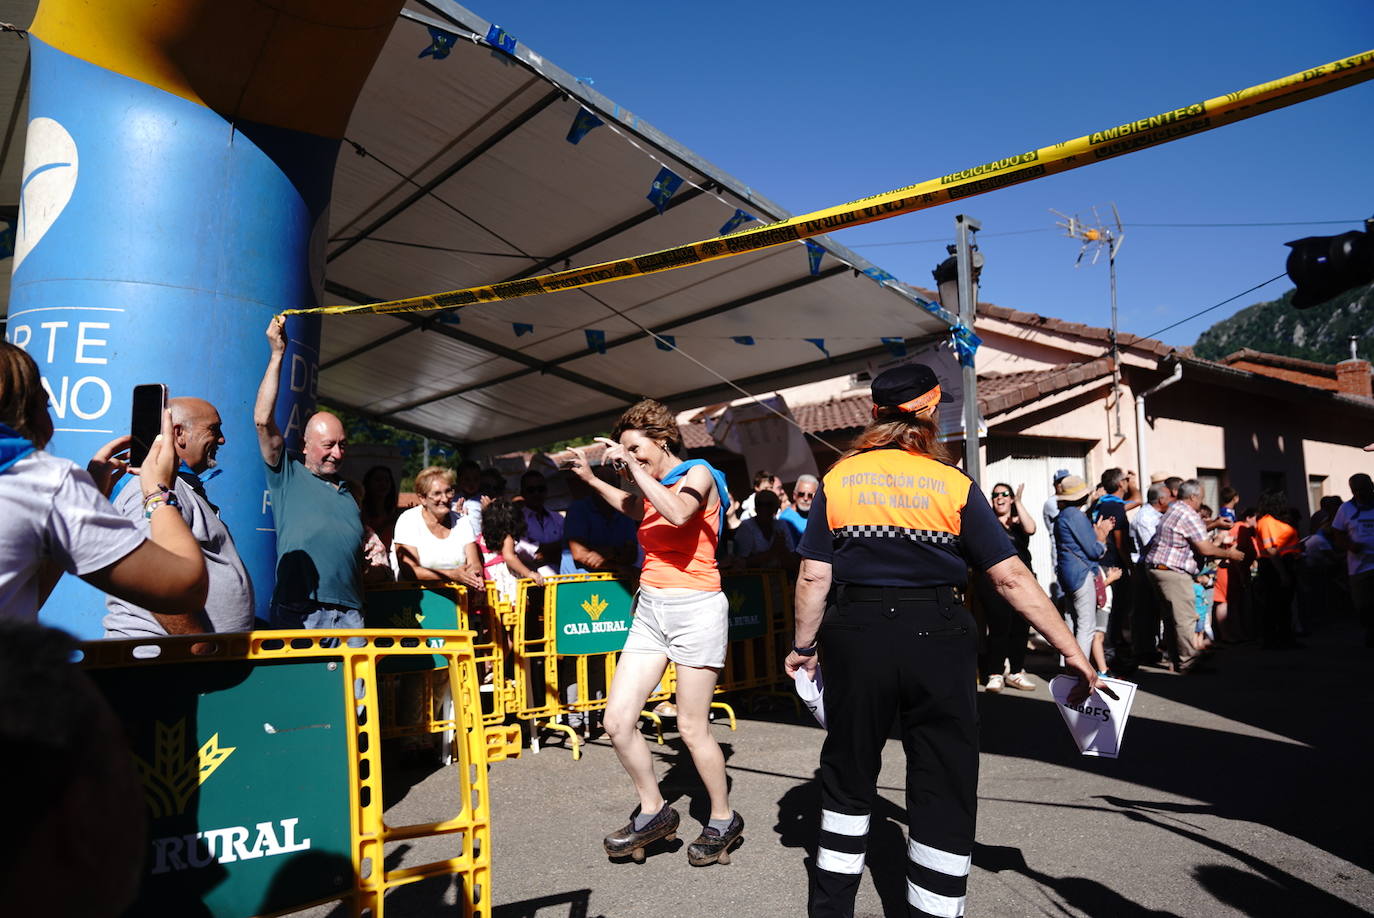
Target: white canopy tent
458, 172
468, 178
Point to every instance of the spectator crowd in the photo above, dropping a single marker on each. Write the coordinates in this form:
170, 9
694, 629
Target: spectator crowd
1144, 573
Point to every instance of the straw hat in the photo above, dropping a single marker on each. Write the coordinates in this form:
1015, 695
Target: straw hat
1070, 488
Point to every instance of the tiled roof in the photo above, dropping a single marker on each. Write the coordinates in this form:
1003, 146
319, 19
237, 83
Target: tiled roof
1001, 392
1248, 355
1150, 346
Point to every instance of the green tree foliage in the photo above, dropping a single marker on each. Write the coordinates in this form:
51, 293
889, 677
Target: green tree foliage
1321, 334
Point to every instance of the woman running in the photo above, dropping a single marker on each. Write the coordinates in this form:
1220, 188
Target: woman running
679, 615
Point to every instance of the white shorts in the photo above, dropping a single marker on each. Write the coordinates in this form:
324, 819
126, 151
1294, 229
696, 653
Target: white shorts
687, 626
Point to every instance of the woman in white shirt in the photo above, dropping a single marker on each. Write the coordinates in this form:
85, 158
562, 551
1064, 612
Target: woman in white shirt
432, 542
57, 517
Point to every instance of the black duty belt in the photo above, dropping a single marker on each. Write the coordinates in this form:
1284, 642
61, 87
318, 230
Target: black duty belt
847, 592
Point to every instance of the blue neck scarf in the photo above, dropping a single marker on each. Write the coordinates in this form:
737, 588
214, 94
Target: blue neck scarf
13, 447
679, 471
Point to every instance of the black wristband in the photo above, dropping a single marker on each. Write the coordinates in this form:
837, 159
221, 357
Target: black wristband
804, 651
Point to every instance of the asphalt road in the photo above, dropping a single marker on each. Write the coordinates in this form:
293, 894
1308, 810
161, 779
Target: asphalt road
1240, 793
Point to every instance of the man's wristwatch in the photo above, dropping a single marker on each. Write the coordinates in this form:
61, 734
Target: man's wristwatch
804, 651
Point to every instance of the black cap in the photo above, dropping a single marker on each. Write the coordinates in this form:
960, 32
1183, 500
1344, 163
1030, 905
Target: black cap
900, 385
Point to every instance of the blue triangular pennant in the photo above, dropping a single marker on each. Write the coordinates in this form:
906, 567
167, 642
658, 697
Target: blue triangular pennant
665, 342
739, 219
895, 346
820, 343
666, 184
596, 339
522, 328
747, 340
448, 318
500, 39
582, 125
440, 44
966, 344
879, 275
814, 251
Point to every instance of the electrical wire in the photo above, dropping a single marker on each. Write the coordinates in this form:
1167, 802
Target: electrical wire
1048, 229
1216, 306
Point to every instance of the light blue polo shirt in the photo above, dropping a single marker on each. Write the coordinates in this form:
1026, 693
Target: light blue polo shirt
319, 538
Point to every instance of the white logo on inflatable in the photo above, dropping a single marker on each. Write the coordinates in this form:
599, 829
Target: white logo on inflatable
50, 167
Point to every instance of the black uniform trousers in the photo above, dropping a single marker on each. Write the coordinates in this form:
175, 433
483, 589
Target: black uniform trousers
906, 654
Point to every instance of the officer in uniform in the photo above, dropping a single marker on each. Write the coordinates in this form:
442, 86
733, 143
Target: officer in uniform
886, 554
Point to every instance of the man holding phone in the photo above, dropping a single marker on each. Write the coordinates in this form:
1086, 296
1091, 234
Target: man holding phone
319, 528
197, 436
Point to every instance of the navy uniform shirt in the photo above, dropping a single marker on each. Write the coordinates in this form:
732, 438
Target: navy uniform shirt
886, 517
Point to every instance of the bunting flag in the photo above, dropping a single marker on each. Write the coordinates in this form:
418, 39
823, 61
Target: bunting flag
879, 275
582, 125
500, 39
747, 340
665, 342
596, 340
666, 184
966, 343
739, 219
895, 346
448, 318
814, 251
522, 328
820, 343
440, 44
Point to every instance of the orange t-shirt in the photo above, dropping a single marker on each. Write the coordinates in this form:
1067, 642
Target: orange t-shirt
680, 557
1275, 533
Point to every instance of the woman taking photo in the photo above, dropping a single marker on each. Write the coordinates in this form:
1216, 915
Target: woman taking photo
679, 615
1007, 631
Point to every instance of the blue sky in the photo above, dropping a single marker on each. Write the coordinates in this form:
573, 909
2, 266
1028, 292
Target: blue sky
817, 104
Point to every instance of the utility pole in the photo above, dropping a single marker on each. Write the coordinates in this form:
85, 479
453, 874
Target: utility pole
968, 307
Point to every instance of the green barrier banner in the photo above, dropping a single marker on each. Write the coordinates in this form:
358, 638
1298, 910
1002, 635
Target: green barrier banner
435, 608
748, 595
591, 616
245, 772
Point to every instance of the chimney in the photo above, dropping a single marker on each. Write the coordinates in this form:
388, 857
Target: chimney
1352, 378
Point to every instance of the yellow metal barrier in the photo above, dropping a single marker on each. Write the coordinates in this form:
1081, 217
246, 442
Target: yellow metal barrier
261, 708
567, 635
760, 621
411, 697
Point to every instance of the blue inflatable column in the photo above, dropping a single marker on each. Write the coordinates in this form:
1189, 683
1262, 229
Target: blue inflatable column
157, 236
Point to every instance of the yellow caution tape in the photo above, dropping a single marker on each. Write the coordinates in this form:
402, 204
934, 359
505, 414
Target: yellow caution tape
1117, 140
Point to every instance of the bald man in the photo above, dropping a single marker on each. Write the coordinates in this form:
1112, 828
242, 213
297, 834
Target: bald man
196, 428
319, 529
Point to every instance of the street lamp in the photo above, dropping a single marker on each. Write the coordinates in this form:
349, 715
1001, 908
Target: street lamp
957, 279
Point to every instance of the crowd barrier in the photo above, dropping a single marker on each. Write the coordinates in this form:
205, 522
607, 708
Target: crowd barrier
414, 703
262, 769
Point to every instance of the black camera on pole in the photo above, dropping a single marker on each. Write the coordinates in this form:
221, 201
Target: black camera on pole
1324, 267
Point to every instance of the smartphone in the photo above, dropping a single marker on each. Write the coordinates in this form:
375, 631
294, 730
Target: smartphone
150, 400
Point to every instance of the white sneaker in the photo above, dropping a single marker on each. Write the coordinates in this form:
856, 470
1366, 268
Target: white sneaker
994, 683
1021, 681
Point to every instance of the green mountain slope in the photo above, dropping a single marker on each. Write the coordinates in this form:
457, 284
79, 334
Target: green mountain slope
1321, 334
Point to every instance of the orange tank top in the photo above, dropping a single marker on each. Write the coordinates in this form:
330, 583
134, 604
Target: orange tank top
680, 557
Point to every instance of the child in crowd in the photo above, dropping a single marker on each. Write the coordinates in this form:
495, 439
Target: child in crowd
1105, 578
506, 553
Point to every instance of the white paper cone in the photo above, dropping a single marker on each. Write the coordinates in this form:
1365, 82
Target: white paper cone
1098, 725
812, 693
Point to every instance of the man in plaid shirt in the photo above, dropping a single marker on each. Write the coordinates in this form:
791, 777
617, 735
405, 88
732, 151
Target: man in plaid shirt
1171, 562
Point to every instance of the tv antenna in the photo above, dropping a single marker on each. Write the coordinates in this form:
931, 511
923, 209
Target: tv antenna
1098, 236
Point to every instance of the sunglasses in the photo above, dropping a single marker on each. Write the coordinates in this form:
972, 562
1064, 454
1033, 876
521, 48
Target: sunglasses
802, 495
1002, 494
